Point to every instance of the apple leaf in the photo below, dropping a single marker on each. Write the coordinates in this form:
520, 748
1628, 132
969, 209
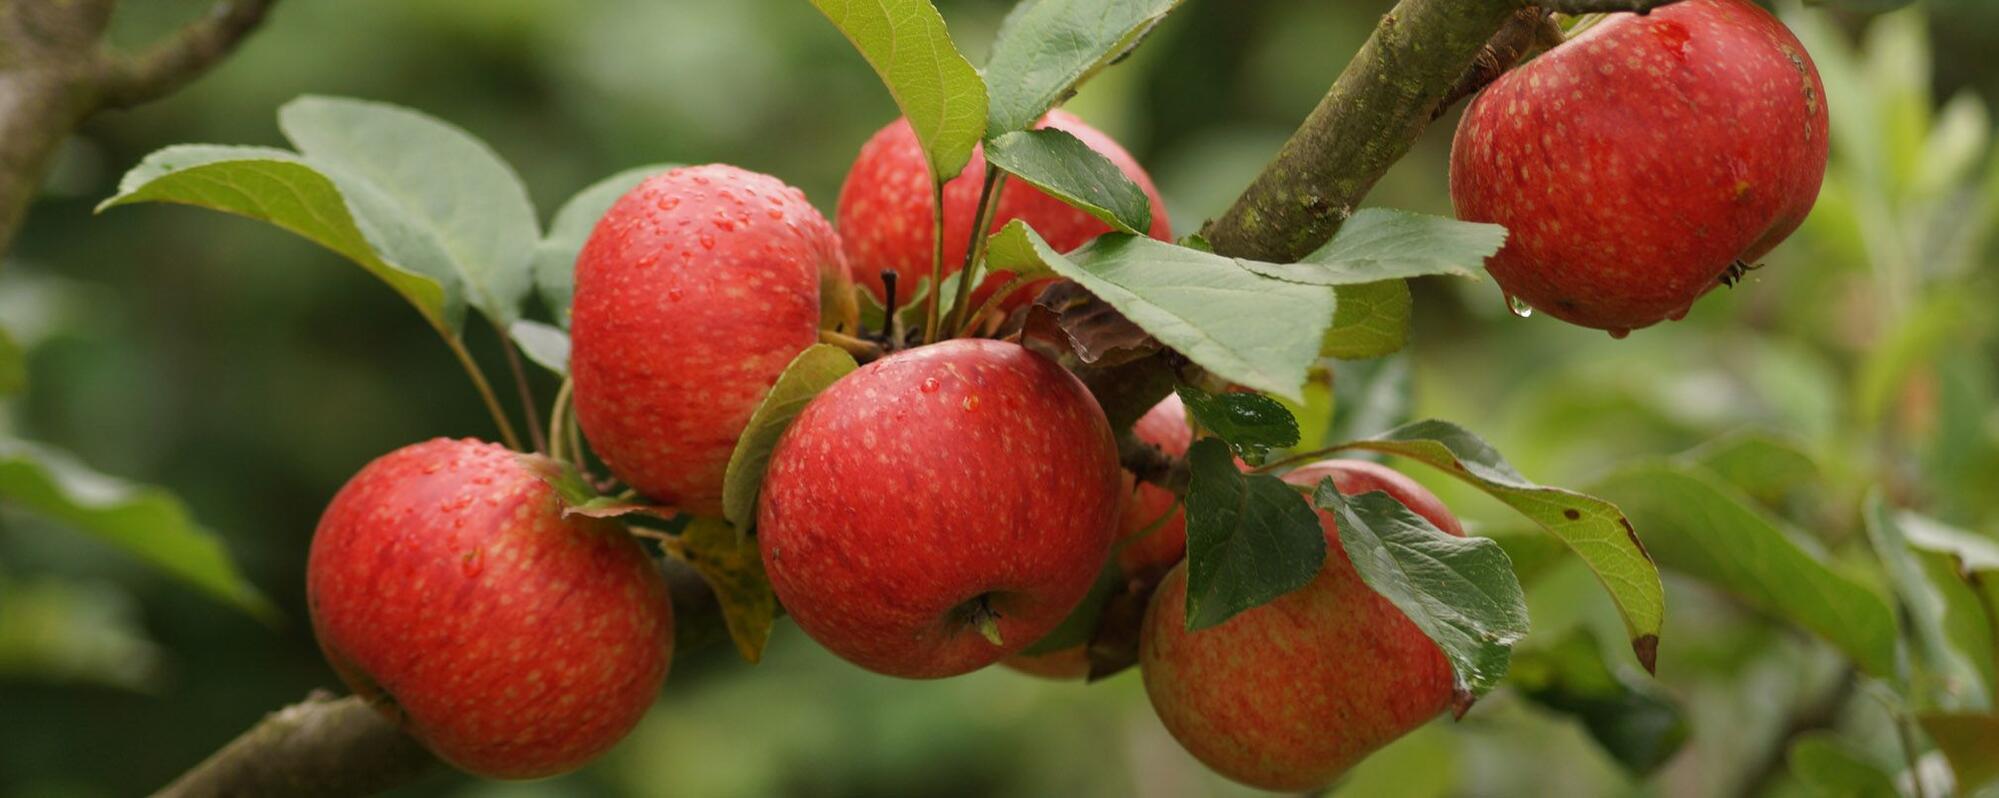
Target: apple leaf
812, 371
79, 632
1065, 168
1764, 465
1459, 591
279, 187
546, 345
555, 256
1046, 48
1701, 526
427, 193
1081, 624
1970, 742
1593, 528
146, 522
1826, 765
1951, 639
579, 498
13, 366
1250, 537
1250, 423
1979, 554
1636, 723
1369, 320
1383, 244
732, 565
938, 90
1369, 396
1242, 327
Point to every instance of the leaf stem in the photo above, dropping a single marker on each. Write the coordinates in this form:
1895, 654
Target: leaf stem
936, 260
507, 435
558, 421
521, 386
975, 250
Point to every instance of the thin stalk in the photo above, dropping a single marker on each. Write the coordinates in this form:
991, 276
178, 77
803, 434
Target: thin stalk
499, 414
936, 261
1909, 752
521, 386
558, 421
861, 348
1302, 457
975, 251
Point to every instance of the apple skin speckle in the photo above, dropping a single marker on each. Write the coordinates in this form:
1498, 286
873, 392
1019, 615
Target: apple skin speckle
1634, 164
883, 550
1289, 695
886, 221
692, 295
446, 587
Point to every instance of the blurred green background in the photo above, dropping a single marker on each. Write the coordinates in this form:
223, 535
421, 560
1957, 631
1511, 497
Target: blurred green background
252, 373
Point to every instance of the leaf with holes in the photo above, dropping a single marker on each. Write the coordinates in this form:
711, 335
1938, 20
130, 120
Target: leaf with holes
812, 371
1593, 528
1460, 591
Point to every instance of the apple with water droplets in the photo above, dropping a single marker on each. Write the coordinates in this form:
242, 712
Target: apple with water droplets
1644, 162
447, 588
940, 509
693, 293
1289, 695
886, 215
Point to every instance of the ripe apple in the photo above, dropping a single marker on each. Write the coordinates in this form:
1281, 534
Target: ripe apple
1645, 161
1152, 531
886, 220
940, 509
692, 295
446, 588
1290, 694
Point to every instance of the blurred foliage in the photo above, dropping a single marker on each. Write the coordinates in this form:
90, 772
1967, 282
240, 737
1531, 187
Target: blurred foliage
251, 374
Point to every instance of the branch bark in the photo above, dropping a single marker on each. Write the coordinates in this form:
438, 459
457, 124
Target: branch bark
322, 746
129, 80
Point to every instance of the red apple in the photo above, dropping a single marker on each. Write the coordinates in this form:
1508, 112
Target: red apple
1637, 164
1152, 530
1289, 695
940, 509
886, 220
692, 295
446, 588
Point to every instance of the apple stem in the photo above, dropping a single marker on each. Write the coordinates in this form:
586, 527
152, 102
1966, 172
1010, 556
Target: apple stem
507, 436
892, 324
975, 250
558, 421
521, 387
862, 349
987, 620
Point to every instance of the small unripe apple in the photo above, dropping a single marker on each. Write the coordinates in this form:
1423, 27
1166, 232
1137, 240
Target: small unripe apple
1289, 695
692, 295
1644, 162
446, 588
940, 509
885, 214
1151, 534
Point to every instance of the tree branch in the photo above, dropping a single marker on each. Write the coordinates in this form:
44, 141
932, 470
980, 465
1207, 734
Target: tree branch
1603, 6
322, 746
1530, 30
129, 80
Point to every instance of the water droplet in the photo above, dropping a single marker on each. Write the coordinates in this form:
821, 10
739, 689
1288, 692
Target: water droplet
930, 384
775, 214
1518, 306
1619, 333
971, 403
669, 203
707, 241
472, 563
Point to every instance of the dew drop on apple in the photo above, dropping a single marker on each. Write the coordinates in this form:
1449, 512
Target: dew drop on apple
1518, 306
1618, 332
929, 384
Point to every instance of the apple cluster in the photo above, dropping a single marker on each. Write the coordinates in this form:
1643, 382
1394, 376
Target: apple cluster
948, 504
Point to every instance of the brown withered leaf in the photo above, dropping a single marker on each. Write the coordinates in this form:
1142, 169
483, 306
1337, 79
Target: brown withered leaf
1071, 319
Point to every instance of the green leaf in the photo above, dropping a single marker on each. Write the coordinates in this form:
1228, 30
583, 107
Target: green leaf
1459, 591
1698, 525
1970, 742
1369, 396
1951, 638
1046, 48
13, 366
1250, 537
1081, 623
1593, 528
579, 498
146, 522
812, 371
733, 567
1065, 168
1382, 244
1978, 553
906, 43
74, 632
546, 345
1370, 320
1639, 725
1247, 329
555, 256
1250, 423
275, 186
1764, 465
427, 194
1829, 768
